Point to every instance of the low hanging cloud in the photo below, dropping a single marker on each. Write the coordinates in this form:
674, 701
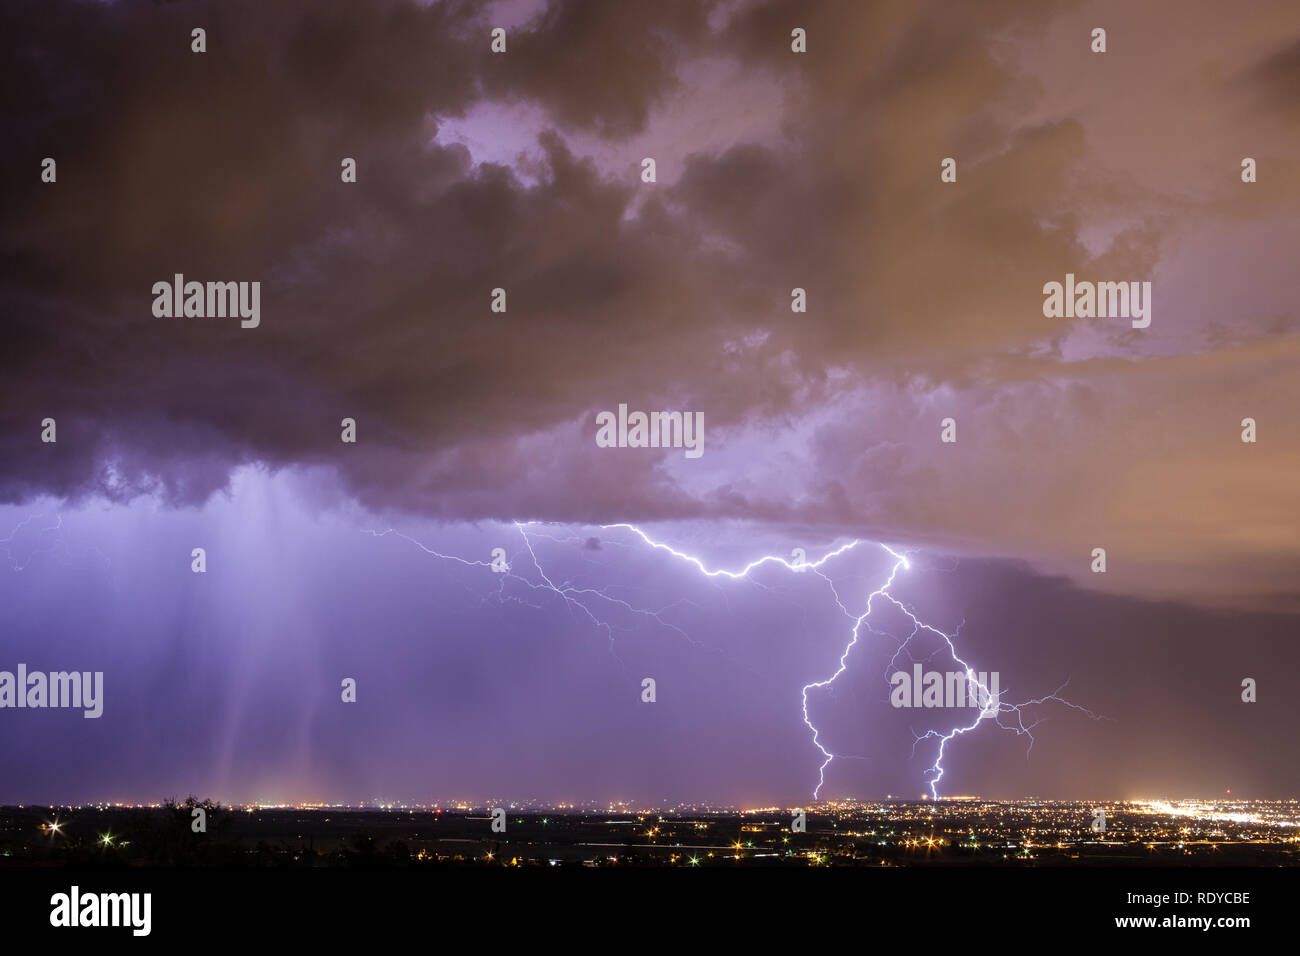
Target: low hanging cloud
924, 298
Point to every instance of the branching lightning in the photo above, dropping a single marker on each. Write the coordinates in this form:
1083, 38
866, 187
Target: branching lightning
588, 601
574, 598
8, 544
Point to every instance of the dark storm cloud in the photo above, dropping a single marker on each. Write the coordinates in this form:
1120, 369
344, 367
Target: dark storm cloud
1276, 78
226, 166
599, 66
922, 296
521, 171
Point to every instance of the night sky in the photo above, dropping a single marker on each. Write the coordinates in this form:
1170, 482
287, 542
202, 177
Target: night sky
523, 170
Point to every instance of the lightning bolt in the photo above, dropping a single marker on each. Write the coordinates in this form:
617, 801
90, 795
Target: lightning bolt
8, 544
583, 600
586, 600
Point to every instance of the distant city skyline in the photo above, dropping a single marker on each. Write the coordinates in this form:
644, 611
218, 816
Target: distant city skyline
1069, 834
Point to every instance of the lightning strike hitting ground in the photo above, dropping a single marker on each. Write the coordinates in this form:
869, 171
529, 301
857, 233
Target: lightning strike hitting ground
576, 598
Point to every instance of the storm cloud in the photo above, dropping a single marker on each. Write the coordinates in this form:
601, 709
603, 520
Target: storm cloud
775, 170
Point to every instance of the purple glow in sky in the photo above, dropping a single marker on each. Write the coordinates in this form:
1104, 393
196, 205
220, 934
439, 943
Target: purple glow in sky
522, 171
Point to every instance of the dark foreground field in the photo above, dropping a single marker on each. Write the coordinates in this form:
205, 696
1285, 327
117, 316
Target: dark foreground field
897, 834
